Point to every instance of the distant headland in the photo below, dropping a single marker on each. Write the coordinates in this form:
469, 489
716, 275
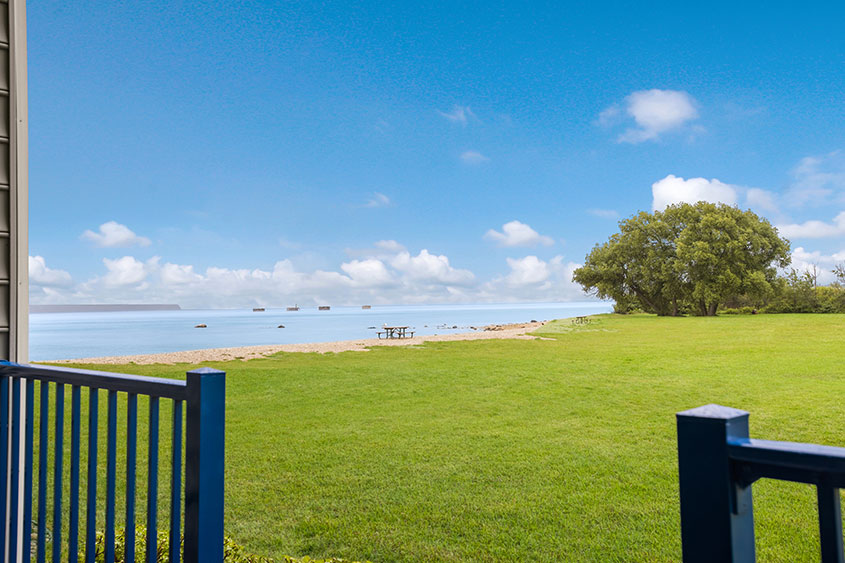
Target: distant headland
105, 308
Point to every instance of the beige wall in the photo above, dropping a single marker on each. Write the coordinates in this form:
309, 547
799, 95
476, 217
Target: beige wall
14, 286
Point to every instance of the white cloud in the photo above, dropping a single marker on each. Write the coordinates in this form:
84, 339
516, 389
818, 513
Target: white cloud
673, 189
368, 273
804, 260
655, 112
604, 213
525, 271
459, 114
474, 157
814, 229
533, 279
127, 270
515, 233
609, 116
816, 179
41, 275
431, 268
378, 200
114, 235
397, 277
762, 200
177, 274
389, 246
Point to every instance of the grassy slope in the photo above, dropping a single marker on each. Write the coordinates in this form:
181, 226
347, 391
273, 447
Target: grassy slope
519, 450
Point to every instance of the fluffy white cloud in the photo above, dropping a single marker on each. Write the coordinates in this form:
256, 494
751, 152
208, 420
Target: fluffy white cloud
427, 267
127, 270
525, 271
41, 275
533, 279
378, 200
459, 114
516, 233
473, 157
396, 276
114, 235
369, 273
814, 229
655, 112
673, 189
177, 274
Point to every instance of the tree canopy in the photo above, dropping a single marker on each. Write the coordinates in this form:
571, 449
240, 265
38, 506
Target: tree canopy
687, 258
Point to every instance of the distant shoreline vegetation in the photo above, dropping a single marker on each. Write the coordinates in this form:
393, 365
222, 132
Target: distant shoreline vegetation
110, 308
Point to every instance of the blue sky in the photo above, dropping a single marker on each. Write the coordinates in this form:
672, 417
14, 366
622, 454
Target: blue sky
264, 153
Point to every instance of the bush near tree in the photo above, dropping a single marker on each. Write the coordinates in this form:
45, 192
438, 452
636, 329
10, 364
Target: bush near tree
689, 258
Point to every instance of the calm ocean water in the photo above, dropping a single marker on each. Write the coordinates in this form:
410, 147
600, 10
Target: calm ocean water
56, 336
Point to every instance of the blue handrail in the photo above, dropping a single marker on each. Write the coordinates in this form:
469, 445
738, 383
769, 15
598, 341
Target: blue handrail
201, 494
718, 463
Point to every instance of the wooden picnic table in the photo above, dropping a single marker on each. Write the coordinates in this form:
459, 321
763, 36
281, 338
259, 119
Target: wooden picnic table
581, 320
395, 332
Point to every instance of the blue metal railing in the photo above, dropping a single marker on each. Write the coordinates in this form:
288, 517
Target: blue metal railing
717, 464
203, 394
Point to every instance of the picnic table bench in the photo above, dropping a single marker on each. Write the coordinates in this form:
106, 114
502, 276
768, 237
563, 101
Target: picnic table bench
584, 320
395, 332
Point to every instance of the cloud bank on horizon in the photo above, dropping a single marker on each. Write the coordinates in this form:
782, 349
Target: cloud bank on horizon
386, 274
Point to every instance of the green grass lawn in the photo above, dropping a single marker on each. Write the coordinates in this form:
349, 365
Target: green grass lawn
514, 450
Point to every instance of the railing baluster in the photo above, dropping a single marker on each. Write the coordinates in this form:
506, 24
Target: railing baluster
29, 431
131, 456
176, 483
91, 515
14, 501
830, 524
111, 470
73, 509
58, 454
152, 482
204, 453
43, 412
4, 464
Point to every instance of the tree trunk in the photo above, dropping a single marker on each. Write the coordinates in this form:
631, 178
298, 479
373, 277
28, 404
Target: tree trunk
711, 310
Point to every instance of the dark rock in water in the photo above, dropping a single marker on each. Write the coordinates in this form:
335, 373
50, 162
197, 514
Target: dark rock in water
532, 320
456, 326
202, 325
281, 326
371, 328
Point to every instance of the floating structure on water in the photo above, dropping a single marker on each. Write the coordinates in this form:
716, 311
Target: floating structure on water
258, 309
324, 308
366, 306
201, 325
294, 308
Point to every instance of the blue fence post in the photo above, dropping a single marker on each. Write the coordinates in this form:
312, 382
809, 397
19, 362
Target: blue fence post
717, 521
204, 450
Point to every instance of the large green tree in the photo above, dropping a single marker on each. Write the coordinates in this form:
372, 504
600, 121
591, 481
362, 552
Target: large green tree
686, 258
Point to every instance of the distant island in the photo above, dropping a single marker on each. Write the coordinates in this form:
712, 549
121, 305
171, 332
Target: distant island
112, 308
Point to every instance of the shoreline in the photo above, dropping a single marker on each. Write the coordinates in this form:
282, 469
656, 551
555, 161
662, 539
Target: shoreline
517, 331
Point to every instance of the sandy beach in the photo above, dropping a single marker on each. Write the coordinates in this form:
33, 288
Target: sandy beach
516, 330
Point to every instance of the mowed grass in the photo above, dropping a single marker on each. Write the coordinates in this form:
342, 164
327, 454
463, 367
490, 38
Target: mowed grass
560, 449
